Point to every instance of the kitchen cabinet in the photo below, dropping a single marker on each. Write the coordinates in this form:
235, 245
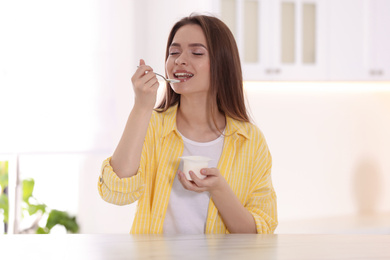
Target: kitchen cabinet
359, 40
378, 39
311, 39
279, 40
347, 40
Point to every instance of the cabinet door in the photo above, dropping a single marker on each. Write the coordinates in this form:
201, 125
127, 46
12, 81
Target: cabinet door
347, 41
379, 39
299, 39
279, 39
250, 21
359, 40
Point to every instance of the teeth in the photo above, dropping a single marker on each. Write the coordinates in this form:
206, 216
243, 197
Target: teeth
183, 75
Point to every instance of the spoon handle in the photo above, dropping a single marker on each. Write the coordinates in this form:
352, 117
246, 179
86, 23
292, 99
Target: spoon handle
167, 80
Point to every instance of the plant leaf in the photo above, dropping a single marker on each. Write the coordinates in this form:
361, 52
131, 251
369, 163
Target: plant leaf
62, 218
3, 175
3, 182
32, 209
4, 206
3, 167
28, 187
44, 230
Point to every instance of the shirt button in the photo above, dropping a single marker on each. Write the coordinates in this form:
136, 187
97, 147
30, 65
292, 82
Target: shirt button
100, 179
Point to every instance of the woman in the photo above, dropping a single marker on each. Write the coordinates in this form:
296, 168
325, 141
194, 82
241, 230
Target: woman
203, 114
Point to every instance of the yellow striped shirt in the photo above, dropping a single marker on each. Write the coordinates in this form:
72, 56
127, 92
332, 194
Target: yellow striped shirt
245, 163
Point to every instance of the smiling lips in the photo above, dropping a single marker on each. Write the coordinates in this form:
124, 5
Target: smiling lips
183, 76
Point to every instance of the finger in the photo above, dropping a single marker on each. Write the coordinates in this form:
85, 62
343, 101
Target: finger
142, 78
198, 185
196, 179
209, 171
142, 65
203, 171
142, 69
187, 184
152, 83
183, 180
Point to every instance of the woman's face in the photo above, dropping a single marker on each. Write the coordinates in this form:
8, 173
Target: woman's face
189, 61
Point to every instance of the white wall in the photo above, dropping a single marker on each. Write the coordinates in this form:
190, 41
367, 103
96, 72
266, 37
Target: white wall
330, 144
47, 72
153, 20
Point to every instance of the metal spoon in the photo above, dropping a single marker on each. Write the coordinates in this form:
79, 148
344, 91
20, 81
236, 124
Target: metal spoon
167, 80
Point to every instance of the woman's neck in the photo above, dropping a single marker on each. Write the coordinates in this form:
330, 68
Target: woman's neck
195, 122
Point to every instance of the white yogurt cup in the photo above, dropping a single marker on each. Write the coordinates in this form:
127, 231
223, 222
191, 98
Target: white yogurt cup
195, 164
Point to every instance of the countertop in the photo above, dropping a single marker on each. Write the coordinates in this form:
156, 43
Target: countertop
230, 246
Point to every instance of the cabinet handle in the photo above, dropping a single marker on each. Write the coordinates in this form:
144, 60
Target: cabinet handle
272, 71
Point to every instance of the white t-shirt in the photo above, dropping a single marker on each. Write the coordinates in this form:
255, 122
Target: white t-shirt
187, 210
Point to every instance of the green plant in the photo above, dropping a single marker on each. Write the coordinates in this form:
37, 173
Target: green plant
32, 207
4, 193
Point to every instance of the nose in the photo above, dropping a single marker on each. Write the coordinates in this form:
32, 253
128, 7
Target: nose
181, 59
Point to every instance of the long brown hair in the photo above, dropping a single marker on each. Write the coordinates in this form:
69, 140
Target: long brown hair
225, 69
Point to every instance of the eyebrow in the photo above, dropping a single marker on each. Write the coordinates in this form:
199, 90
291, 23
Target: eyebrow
190, 45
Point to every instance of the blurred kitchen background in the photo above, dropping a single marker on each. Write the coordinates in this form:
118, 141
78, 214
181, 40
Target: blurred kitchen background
317, 79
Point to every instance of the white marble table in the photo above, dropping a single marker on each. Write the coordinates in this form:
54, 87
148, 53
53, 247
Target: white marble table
220, 247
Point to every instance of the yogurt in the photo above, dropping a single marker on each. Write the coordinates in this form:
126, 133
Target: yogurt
195, 164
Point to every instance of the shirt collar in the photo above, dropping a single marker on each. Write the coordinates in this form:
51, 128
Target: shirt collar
236, 128
233, 127
169, 121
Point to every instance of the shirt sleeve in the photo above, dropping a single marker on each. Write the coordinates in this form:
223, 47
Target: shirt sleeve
123, 191
116, 190
262, 198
